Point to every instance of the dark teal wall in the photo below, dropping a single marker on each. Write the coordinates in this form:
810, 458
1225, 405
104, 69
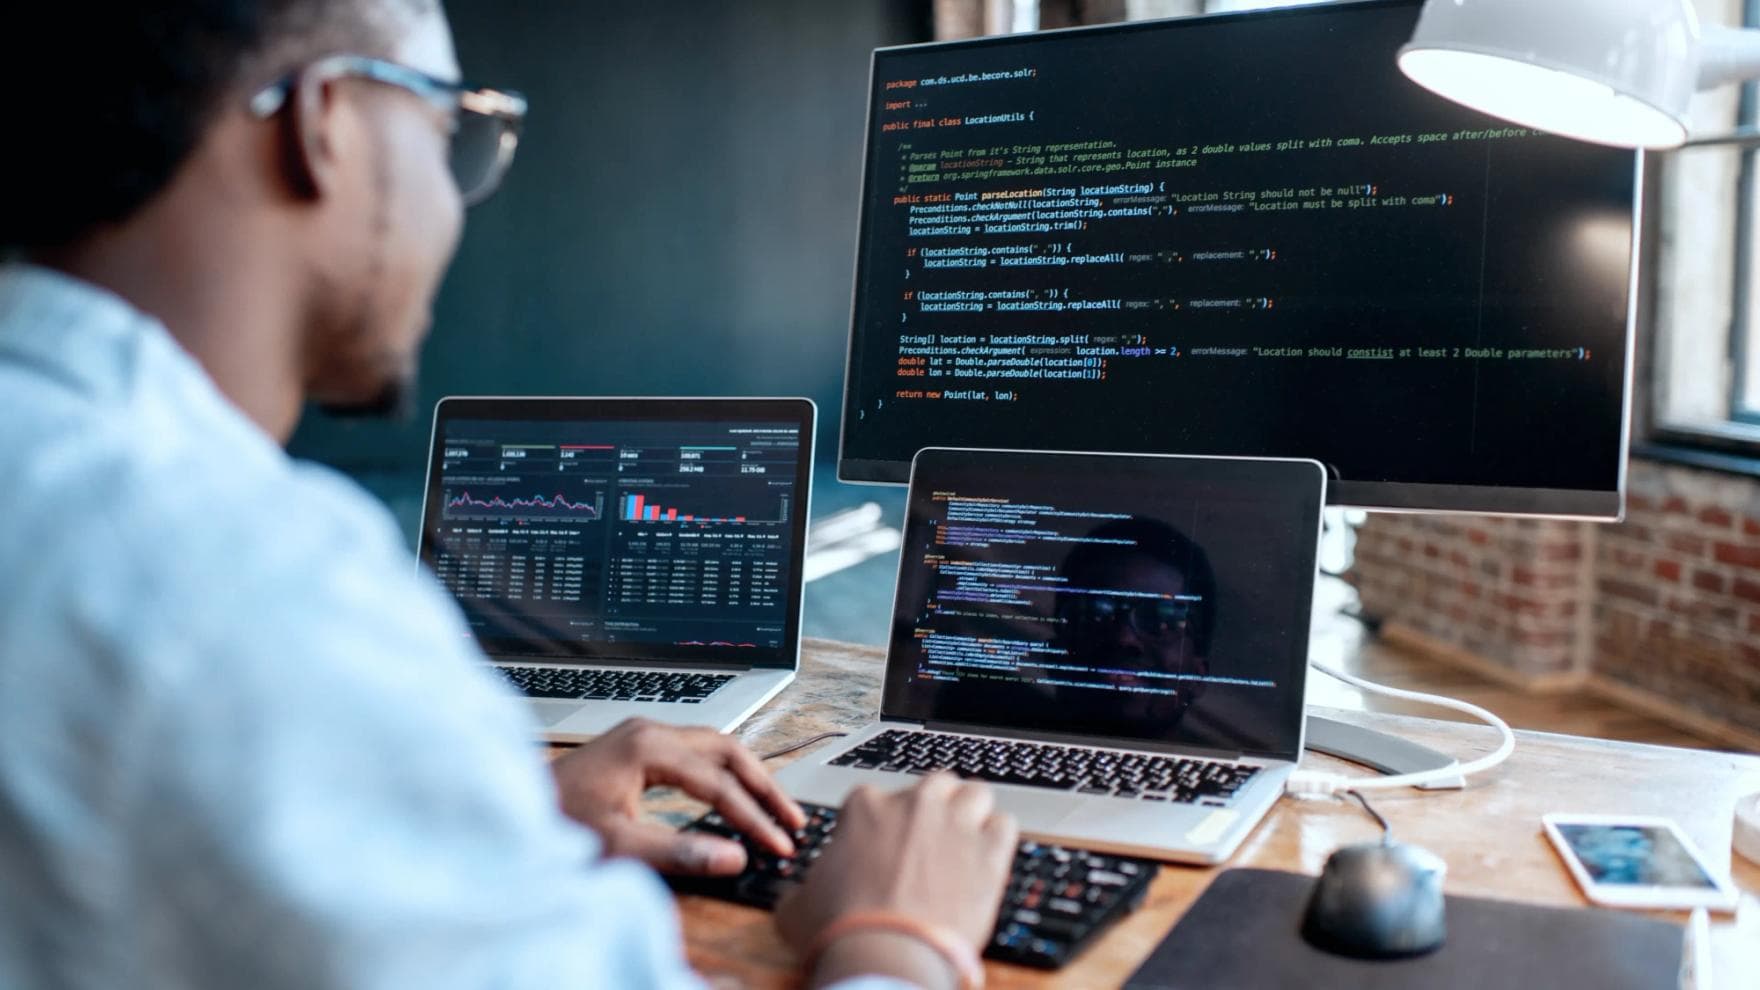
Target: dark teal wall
680, 218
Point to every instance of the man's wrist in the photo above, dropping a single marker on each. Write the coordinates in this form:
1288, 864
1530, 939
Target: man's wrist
878, 952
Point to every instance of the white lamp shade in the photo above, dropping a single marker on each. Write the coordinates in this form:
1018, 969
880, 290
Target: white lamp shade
1616, 72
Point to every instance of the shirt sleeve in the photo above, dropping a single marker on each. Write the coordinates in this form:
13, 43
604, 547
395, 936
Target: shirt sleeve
330, 790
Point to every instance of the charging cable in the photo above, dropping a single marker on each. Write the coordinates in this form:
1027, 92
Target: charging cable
1324, 782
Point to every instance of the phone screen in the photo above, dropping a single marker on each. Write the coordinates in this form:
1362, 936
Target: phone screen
1635, 856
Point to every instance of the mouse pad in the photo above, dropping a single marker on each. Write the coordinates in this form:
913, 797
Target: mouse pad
1245, 933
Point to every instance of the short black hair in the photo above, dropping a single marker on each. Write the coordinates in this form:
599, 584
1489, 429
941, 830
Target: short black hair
107, 99
1163, 544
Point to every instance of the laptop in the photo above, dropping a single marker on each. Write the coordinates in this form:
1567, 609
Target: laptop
621, 557
1119, 643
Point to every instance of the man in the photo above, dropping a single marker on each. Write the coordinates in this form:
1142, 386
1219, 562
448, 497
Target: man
1155, 640
208, 774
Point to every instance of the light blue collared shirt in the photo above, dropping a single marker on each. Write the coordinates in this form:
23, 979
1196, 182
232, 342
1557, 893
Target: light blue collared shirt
242, 742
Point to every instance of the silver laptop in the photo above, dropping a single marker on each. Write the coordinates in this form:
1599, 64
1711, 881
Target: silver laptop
624, 557
1119, 643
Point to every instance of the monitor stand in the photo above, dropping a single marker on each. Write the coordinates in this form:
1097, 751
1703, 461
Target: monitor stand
1379, 751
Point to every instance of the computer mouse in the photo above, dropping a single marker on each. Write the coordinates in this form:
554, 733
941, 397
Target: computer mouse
1380, 900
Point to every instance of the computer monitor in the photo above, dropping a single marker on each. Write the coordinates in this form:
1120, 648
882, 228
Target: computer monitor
1241, 234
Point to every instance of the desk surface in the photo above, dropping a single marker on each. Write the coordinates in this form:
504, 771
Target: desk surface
1489, 833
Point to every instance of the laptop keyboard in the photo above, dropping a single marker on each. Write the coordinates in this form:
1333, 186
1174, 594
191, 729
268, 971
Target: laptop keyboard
1143, 776
589, 684
1056, 902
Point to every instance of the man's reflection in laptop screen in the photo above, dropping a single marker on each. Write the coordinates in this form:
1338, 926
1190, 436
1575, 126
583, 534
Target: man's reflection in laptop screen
1137, 607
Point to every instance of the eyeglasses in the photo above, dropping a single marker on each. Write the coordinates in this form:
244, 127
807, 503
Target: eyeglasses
1151, 617
485, 122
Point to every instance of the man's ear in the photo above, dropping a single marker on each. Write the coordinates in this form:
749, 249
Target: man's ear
311, 140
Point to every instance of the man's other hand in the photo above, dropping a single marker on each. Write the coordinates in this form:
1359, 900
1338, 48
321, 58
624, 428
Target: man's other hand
601, 785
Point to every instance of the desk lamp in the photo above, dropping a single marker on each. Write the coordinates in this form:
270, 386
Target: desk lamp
1617, 72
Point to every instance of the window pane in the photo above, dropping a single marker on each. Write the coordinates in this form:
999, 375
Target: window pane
1745, 347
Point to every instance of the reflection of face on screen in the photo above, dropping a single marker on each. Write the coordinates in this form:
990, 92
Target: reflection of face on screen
1139, 607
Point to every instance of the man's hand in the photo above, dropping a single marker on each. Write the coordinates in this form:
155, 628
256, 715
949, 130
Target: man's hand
601, 785
939, 853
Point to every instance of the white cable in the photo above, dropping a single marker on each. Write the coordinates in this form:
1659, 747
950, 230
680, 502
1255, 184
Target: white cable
1323, 782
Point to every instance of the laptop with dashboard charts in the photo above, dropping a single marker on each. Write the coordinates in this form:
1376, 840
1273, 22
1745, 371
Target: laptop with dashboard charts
1118, 643
621, 557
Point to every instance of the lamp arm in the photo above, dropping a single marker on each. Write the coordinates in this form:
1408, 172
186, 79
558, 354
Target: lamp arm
1728, 55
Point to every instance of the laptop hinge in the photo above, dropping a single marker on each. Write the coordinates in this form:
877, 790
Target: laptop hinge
1172, 749
628, 662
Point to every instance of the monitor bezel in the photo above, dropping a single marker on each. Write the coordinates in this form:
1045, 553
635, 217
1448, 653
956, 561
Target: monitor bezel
800, 411
1593, 504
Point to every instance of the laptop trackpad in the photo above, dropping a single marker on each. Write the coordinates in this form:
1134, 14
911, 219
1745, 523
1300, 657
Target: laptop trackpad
1037, 810
551, 712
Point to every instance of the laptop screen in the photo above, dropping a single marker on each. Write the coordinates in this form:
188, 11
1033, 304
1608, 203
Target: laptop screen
1144, 599
623, 529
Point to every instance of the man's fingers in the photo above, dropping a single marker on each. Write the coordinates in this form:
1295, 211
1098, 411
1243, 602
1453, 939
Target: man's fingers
677, 853
971, 804
1002, 835
759, 782
706, 781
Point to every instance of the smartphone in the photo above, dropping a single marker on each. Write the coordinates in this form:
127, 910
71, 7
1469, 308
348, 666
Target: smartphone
1637, 862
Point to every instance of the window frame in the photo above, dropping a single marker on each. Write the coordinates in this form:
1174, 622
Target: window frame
1732, 445
1742, 324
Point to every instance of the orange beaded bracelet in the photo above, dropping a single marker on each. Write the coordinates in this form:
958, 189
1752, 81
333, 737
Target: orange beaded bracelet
958, 954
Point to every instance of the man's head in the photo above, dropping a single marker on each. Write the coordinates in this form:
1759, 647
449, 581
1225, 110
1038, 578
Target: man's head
141, 138
1142, 600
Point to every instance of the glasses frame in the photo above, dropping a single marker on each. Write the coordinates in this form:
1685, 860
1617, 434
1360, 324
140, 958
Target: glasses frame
506, 107
1085, 614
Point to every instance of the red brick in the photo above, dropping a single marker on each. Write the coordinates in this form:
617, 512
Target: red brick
1741, 556
1432, 551
1622, 624
1675, 504
1708, 581
1686, 543
1459, 559
1406, 545
1747, 590
1639, 503
1712, 515
1629, 590
1668, 570
1523, 576
1754, 624
1751, 526
1561, 552
1478, 537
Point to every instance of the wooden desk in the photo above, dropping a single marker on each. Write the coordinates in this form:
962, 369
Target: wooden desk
1489, 833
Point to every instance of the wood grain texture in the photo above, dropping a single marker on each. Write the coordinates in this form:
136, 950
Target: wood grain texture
1489, 834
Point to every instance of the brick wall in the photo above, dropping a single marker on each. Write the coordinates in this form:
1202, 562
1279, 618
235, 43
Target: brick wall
1677, 613
1662, 609
1509, 591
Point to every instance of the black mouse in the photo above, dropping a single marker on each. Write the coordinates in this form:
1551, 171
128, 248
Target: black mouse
1380, 900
